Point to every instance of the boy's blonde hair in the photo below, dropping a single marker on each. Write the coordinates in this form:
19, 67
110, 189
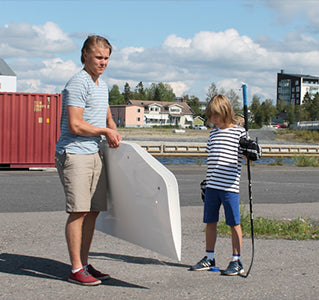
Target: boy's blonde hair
221, 106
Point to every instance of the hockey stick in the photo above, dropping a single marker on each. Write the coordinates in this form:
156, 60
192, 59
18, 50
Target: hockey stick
244, 87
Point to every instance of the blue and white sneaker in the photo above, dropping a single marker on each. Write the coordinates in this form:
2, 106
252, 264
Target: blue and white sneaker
234, 268
203, 265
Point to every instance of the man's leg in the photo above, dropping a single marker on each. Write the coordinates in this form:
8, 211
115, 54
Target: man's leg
87, 235
73, 233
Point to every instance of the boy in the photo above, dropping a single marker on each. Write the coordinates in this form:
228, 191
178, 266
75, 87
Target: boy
223, 176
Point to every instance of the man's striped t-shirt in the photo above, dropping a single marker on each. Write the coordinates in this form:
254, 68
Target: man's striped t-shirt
81, 91
224, 158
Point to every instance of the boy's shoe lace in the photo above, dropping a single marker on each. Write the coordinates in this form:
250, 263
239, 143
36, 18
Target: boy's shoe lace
234, 268
203, 265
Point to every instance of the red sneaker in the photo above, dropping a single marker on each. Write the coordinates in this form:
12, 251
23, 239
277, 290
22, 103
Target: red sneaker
84, 278
97, 274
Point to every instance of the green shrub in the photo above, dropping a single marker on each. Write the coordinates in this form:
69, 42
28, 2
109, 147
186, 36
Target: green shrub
306, 161
297, 229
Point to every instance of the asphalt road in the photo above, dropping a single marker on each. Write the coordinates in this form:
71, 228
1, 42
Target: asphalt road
34, 191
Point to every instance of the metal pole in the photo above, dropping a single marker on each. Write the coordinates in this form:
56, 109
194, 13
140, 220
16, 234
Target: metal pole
244, 87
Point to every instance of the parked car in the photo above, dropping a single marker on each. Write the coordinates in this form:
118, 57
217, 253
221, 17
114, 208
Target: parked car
280, 126
200, 127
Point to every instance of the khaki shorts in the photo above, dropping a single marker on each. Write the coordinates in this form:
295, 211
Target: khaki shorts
84, 180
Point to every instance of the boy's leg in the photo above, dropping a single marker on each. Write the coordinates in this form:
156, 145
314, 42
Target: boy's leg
235, 267
232, 213
237, 237
211, 236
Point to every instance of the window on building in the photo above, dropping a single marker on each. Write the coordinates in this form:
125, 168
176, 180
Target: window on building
177, 110
138, 119
138, 110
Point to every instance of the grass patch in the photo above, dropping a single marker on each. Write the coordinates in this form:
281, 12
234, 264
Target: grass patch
303, 136
306, 161
297, 229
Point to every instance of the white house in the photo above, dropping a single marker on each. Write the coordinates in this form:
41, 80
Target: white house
8, 79
161, 113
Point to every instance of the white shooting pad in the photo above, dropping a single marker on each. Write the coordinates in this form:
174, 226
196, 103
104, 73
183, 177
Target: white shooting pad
143, 200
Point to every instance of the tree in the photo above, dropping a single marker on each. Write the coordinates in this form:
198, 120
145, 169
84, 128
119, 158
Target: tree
281, 107
310, 107
255, 110
268, 111
160, 92
115, 96
234, 100
157, 94
291, 118
315, 108
194, 104
306, 107
127, 92
212, 92
139, 91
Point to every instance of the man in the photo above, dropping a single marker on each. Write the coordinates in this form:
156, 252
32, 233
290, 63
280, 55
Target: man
86, 116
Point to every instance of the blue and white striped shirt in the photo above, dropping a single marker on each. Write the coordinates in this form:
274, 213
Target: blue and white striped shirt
81, 91
224, 158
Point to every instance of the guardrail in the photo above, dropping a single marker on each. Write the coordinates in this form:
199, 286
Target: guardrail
199, 150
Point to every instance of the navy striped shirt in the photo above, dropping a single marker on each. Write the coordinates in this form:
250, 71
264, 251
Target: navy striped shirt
81, 91
224, 158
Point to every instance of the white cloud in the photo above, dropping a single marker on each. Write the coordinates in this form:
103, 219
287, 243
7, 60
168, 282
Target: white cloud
292, 42
27, 40
36, 54
48, 76
180, 88
306, 10
176, 42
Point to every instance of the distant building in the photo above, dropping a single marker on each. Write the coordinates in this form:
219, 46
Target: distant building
8, 79
292, 88
198, 121
128, 115
144, 113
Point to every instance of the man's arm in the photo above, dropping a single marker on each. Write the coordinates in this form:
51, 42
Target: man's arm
80, 127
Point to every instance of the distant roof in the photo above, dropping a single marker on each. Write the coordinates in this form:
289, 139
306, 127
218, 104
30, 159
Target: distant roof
5, 69
300, 75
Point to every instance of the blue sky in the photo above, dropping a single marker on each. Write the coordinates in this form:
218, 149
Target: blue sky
188, 44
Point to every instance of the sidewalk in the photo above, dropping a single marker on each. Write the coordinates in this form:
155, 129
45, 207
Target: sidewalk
34, 262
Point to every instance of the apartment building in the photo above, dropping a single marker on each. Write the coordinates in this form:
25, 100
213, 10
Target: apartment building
292, 88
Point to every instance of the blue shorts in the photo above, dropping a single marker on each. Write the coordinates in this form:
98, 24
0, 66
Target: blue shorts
213, 200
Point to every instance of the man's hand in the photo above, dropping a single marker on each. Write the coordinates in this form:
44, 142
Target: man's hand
113, 137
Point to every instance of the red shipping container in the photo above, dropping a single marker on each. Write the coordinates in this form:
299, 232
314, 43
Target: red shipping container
29, 129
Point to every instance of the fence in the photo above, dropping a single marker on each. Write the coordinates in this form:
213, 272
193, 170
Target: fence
199, 150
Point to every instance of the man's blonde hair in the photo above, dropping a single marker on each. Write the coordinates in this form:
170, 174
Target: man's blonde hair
221, 106
94, 41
